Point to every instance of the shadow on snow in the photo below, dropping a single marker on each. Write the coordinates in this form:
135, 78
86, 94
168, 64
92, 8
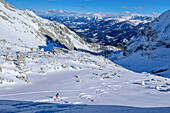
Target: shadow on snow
12, 106
50, 44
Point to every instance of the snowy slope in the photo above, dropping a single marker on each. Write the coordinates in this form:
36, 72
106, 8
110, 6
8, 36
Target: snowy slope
150, 50
35, 76
27, 29
80, 78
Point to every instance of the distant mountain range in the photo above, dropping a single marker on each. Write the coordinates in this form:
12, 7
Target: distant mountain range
105, 29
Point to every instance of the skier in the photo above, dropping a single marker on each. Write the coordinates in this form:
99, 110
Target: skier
56, 96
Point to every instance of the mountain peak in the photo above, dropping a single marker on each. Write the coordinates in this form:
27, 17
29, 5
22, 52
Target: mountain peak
152, 45
162, 22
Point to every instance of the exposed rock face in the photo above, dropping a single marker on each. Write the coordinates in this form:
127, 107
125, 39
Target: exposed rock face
21, 60
24, 78
28, 30
59, 50
57, 34
1, 80
0, 69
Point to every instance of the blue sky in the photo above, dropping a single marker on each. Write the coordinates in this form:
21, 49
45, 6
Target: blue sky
105, 6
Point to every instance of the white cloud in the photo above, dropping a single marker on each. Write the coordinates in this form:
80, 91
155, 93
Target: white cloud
127, 12
55, 11
155, 13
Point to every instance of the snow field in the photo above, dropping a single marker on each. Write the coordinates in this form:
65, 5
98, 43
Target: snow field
80, 78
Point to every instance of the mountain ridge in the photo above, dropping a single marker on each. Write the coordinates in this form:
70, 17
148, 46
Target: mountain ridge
29, 24
149, 50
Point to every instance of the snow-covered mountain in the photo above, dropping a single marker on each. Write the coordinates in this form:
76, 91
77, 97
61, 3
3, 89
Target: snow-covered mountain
150, 49
24, 28
110, 29
30, 74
